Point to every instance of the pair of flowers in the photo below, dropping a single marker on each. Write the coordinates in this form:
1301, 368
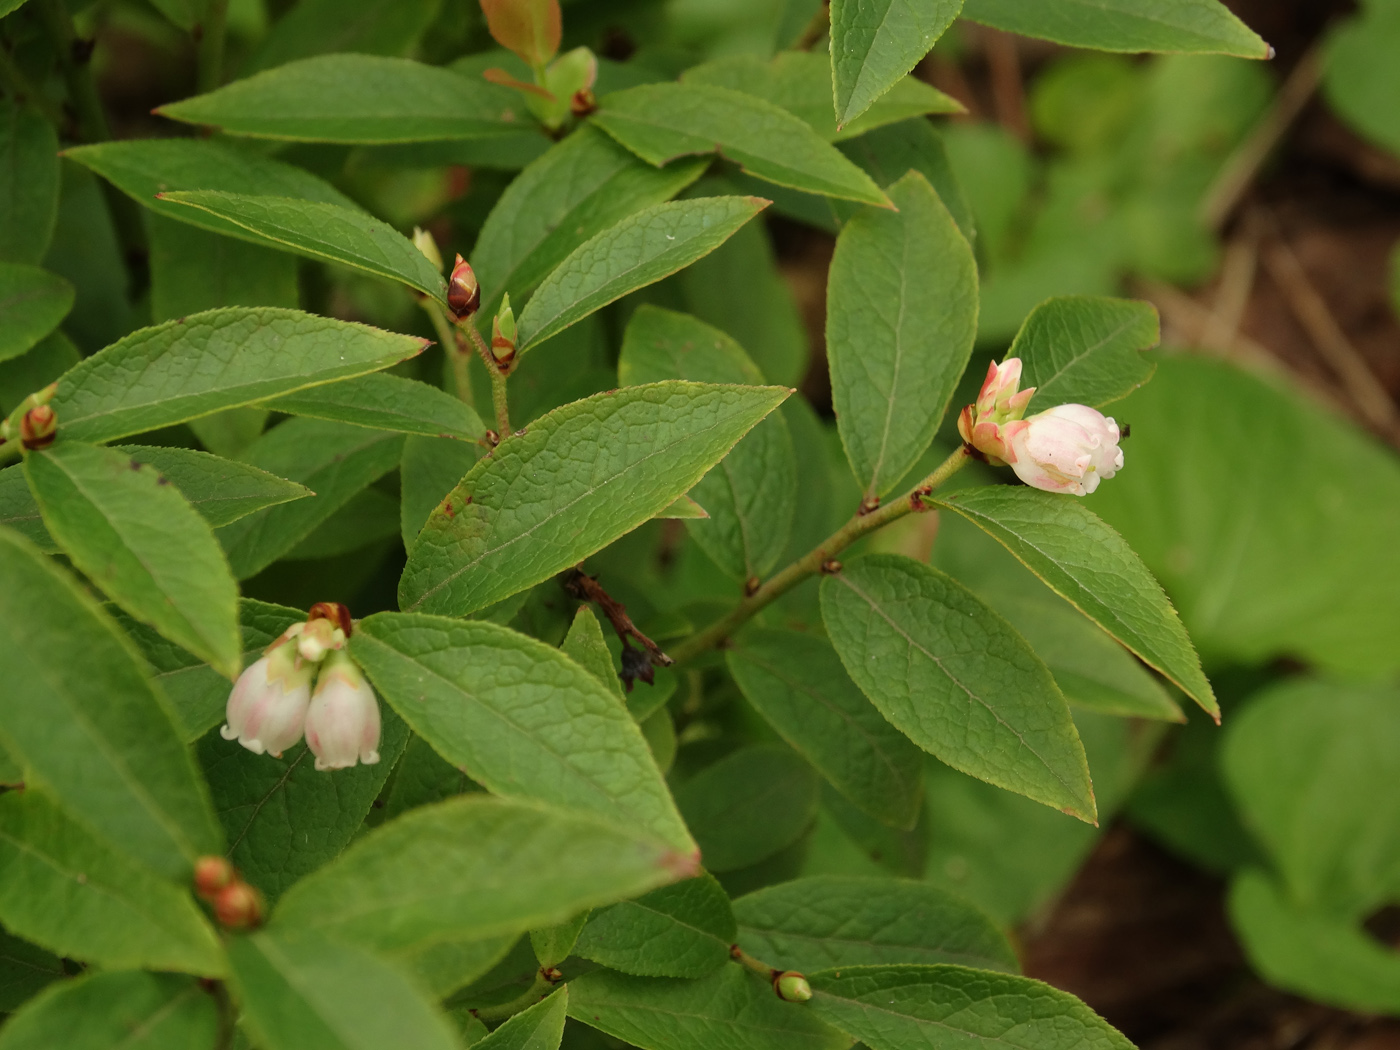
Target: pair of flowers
1068, 448
273, 703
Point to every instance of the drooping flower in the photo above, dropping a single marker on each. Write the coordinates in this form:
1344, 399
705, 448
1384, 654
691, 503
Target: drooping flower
267, 708
342, 723
1068, 448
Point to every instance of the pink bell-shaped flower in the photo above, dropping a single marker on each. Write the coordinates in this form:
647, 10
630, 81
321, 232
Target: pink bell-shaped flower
1069, 448
342, 723
267, 708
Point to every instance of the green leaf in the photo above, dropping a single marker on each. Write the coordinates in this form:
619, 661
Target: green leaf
953, 1007
541, 1027
328, 232
117, 1011
751, 496
25, 970
145, 168
796, 682
576, 480
1251, 546
575, 190
888, 152
660, 122
681, 930
1084, 350
1196, 26
800, 82
956, 679
334, 460
137, 539
357, 99
553, 944
1360, 79
684, 508
640, 250
1312, 953
193, 269
519, 717
443, 967
28, 180
429, 469
300, 992
32, 303
185, 369
69, 891
197, 693
749, 805
586, 646
78, 713
1310, 766
474, 866
1086, 562
901, 320
874, 44
1091, 669
366, 27
814, 923
370, 516
728, 1008
385, 402
284, 818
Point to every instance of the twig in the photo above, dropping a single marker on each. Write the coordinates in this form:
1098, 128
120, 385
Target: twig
459, 354
816, 28
587, 589
820, 559
499, 396
1310, 308
211, 45
1243, 164
542, 985
1008, 87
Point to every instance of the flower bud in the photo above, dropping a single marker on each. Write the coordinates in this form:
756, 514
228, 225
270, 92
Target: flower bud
238, 906
1068, 448
463, 290
423, 241
38, 427
319, 637
792, 987
267, 708
342, 723
212, 874
988, 424
503, 334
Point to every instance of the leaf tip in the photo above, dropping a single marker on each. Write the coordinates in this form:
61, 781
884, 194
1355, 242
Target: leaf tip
681, 865
759, 203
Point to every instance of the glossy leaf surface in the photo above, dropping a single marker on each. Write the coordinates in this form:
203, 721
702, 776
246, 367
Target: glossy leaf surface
874, 43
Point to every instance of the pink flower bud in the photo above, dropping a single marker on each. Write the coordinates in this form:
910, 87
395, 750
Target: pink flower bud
463, 290
1069, 448
342, 724
1001, 385
267, 708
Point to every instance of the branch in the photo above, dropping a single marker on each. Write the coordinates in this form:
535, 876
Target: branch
634, 664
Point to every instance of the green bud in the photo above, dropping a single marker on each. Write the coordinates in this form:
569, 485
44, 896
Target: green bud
792, 987
503, 334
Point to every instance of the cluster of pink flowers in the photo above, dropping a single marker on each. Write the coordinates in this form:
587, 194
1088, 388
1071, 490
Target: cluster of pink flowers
273, 702
1068, 448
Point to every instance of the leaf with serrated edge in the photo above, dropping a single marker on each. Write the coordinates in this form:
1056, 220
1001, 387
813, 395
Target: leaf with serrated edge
1085, 350
1197, 26
299, 991
660, 122
65, 889
874, 43
102, 740
796, 682
327, 232
474, 866
900, 323
137, 539
831, 920
640, 250
385, 402
956, 679
586, 646
519, 717
541, 1027
681, 930
955, 1008
361, 99
575, 190
611, 462
1086, 562
182, 370
106, 1011
728, 1008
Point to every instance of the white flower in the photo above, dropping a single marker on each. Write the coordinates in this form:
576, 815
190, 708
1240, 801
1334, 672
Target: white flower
267, 708
342, 724
1069, 448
